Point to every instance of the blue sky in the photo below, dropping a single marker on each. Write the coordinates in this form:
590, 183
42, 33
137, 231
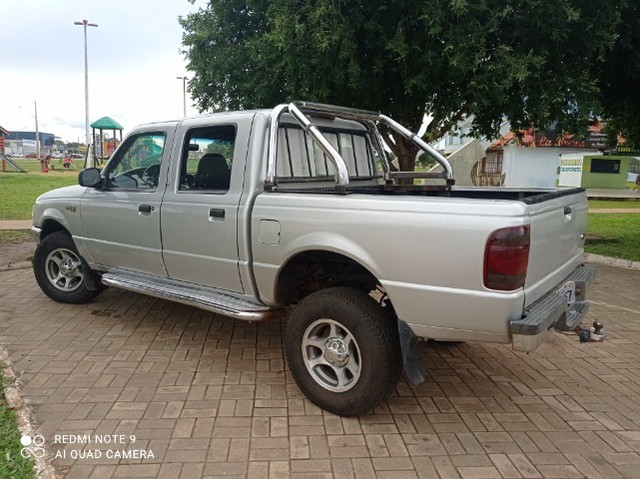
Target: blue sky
133, 63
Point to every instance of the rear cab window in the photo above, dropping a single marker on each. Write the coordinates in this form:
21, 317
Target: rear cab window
300, 159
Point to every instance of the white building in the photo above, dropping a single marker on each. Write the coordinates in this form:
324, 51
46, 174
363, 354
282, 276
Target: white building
532, 160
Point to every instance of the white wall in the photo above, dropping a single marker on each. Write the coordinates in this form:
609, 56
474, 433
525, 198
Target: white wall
534, 166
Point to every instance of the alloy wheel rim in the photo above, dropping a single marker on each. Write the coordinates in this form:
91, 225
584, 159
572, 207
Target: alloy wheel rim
331, 355
64, 270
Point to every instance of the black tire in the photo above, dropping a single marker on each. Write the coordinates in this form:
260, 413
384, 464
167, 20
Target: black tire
59, 272
343, 350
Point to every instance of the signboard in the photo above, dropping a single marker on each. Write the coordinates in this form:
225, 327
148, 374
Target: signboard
570, 170
559, 139
623, 150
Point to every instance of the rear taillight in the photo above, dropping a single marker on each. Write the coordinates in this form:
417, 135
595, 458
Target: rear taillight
506, 258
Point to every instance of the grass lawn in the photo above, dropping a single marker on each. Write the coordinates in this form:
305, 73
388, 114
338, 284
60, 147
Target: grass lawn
12, 464
14, 236
615, 234
18, 191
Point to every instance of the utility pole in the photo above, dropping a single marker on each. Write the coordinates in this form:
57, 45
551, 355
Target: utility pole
184, 95
35, 109
85, 24
35, 117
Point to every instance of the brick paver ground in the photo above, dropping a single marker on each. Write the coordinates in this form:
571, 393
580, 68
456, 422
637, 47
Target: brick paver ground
211, 397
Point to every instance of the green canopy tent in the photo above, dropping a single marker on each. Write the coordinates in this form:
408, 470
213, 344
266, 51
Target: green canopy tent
104, 123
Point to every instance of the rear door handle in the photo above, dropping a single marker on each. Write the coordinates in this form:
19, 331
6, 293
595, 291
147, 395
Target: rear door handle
567, 213
145, 208
216, 213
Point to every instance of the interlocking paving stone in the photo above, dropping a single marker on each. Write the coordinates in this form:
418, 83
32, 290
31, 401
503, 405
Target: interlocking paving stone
212, 397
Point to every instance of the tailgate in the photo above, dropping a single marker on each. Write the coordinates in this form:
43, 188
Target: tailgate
558, 229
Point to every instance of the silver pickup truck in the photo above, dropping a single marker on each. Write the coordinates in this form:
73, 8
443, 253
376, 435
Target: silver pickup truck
298, 211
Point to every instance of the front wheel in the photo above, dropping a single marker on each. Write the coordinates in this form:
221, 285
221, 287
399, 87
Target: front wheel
59, 272
343, 350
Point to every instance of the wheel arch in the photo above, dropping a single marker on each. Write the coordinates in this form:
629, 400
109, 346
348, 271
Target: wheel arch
311, 270
51, 225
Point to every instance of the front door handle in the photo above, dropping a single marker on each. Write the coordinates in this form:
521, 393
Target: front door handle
216, 213
145, 208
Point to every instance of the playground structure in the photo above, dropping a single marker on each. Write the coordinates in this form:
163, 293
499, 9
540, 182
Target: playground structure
101, 148
8, 161
5, 159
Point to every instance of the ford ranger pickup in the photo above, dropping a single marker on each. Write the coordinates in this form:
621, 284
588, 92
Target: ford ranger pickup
298, 211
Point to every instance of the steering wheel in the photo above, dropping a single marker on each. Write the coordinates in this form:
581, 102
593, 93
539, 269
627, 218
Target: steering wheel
150, 175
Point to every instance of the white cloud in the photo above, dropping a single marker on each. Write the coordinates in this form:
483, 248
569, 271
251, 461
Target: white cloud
133, 63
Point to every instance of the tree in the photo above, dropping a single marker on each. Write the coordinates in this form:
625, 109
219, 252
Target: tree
529, 60
619, 75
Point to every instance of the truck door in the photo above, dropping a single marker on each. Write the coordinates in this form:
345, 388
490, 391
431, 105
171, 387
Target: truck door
200, 209
121, 221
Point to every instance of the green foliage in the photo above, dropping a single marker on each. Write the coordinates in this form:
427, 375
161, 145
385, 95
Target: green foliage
12, 464
619, 75
225, 48
425, 161
529, 60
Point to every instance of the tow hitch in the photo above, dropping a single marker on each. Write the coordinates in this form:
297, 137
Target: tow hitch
592, 334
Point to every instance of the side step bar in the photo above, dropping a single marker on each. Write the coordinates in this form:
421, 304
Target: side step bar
217, 302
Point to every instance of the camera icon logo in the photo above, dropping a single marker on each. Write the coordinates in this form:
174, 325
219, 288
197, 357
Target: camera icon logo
33, 446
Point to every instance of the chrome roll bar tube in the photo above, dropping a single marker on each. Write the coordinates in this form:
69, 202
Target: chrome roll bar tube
421, 144
341, 175
366, 117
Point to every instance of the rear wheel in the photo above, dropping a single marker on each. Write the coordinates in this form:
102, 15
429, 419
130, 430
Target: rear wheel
343, 350
59, 271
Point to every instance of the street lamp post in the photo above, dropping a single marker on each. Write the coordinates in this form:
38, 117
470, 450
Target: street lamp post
85, 24
184, 95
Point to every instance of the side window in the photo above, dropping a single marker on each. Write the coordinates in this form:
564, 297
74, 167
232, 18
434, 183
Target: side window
207, 158
137, 164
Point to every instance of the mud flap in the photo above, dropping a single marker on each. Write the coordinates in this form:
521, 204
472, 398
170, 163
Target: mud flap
89, 276
412, 355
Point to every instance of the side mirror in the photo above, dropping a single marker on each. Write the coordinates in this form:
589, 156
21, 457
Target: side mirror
90, 178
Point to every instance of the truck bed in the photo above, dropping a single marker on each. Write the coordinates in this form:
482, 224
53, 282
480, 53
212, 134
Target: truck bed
527, 196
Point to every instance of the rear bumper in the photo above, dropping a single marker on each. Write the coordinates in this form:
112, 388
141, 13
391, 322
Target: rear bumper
552, 312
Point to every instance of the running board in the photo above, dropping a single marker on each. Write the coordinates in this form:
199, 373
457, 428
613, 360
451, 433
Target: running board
217, 302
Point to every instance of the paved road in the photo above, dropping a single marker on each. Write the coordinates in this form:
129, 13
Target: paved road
211, 397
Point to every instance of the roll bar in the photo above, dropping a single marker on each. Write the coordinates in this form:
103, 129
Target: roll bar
297, 109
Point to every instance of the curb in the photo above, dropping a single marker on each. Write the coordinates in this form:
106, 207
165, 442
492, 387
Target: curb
42, 468
609, 261
20, 225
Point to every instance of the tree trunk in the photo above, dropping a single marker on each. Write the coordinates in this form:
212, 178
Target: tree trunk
405, 150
